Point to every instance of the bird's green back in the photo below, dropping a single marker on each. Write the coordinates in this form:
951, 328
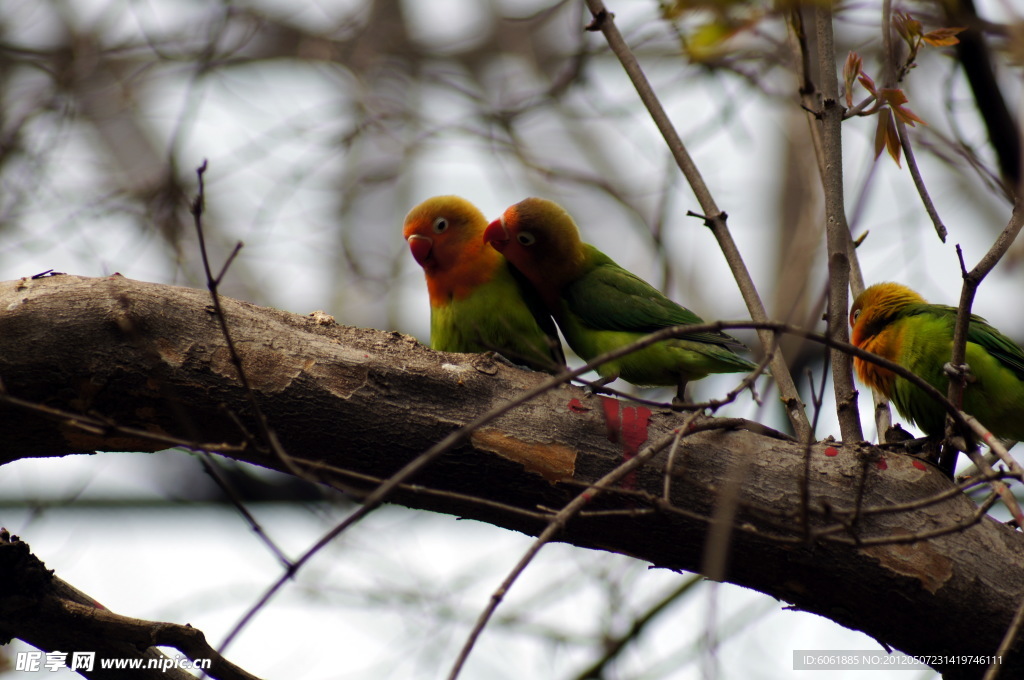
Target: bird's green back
607, 307
609, 297
995, 389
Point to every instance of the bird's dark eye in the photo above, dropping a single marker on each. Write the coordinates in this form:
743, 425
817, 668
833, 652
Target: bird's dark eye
855, 314
440, 224
526, 238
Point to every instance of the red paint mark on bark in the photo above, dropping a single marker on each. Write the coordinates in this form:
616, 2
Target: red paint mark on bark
882, 465
628, 424
634, 428
576, 406
611, 418
919, 465
831, 451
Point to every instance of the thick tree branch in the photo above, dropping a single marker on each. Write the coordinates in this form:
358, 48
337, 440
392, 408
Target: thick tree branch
350, 406
46, 612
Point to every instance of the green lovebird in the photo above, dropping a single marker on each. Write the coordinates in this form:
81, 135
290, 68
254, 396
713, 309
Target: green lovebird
600, 306
478, 303
895, 322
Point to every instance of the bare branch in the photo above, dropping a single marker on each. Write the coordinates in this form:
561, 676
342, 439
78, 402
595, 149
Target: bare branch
915, 173
836, 230
1012, 631
615, 646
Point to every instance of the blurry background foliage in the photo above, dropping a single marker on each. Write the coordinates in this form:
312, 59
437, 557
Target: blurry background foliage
324, 122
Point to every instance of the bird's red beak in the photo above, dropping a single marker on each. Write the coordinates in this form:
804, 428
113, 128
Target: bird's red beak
420, 247
497, 235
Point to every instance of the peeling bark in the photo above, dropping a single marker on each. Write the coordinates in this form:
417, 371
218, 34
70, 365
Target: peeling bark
352, 405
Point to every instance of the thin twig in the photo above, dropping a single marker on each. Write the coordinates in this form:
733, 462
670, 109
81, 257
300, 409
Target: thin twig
556, 525
1012, 631
746, 384
670, 465
805, 479
993, 443
889, 81
915, 173
979, 461
810, 102
614, 646
210, 467
975, 517
268, 438
359, 492
105, 428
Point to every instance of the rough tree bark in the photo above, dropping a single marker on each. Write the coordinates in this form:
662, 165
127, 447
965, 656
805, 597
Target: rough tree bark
350, 406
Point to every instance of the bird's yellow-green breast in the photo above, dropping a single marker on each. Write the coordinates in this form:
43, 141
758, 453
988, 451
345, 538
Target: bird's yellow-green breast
476, 303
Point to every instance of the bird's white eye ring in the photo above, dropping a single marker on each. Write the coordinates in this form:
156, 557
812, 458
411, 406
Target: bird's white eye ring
855, 314
526, 238
440, 224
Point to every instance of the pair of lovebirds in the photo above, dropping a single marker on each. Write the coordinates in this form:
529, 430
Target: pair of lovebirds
496, 286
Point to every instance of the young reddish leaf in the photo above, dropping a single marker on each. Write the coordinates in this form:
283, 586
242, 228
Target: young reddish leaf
900, 24
893, 96
851, 70
907, 26
852, 67
892, 142
896, 99
886, 136
869, 85
907, 116
943, 37
883, 123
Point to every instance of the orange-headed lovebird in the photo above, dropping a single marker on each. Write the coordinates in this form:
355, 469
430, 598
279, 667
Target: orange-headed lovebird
478, 302
600, 306
895, 322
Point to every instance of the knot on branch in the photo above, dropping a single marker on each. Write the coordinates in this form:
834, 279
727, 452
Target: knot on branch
961, 373
599, 20
709, 222
22, 574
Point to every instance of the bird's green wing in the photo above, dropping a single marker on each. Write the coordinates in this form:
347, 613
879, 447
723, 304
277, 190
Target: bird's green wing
1005, 350
998, 345
607, 297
